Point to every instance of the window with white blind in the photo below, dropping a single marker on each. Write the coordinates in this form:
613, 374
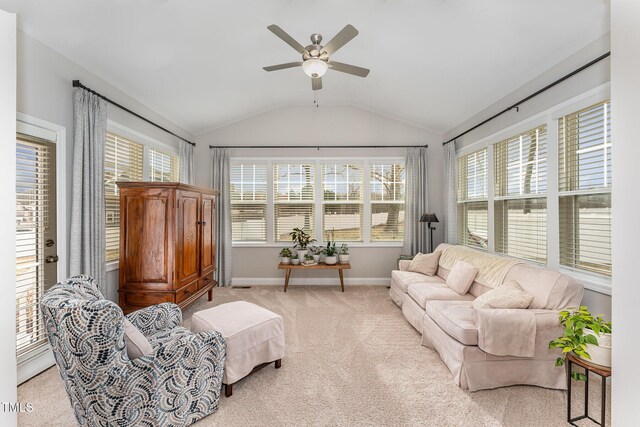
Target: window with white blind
342, 202
248, 201
584, 165
123, 161
520, 186
293, 199
163, 167
387, 190
472, 199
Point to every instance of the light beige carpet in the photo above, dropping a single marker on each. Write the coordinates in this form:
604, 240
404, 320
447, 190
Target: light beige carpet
351, 360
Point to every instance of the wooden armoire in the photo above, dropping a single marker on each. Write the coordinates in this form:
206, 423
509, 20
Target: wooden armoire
167, 243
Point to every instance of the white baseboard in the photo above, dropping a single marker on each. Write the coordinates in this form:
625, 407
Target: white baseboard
32, 364
279, 281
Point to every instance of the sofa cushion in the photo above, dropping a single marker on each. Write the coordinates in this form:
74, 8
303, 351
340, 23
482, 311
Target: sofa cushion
423, 292
137, 344
509, 295
403, 279
550, 289
461, 276
425, 263
455, 318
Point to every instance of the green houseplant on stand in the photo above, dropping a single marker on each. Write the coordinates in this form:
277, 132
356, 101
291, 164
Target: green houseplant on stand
301, 241
343, 256
285, 256
330, 253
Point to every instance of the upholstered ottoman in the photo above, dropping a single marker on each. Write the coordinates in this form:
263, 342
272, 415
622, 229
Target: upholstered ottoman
254, 336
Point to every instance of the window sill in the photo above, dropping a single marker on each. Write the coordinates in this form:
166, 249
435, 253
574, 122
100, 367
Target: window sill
288, 244
112, 265
592, 282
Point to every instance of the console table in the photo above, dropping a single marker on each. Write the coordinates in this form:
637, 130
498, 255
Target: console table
319, 266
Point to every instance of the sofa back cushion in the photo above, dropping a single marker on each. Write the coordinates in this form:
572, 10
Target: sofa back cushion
461, 277
425, 263
551, 289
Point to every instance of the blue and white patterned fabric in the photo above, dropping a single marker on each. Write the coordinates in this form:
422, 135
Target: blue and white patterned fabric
177, 385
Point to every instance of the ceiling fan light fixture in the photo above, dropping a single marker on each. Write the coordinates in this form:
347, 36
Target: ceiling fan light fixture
314, 67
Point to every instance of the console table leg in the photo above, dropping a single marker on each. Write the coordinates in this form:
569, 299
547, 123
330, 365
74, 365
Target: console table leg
341, 279
286, 279
604, 401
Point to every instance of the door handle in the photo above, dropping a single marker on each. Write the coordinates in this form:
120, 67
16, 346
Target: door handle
51, 259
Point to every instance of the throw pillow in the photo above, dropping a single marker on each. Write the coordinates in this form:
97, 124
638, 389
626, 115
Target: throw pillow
461, 276
425, 263
137, 344
508, 295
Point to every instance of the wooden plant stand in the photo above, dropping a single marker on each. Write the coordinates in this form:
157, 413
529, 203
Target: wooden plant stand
319, 266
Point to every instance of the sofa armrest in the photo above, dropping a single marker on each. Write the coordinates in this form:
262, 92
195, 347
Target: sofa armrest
150, 320
403, 264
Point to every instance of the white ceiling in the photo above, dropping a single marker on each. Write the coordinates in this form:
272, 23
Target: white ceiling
434, 63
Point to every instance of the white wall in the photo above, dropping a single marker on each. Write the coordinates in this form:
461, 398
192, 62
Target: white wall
7, 217
625, 93
307, 125
45, 92
586, 80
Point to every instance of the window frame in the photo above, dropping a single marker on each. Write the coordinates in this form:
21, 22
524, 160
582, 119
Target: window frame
365, 161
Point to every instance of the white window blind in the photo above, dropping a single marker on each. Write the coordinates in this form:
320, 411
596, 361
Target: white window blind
293, 199
520, 179
584, 156
163, 167
472, 199
342, 210
248, 202
387, 192
33, 186
123, 161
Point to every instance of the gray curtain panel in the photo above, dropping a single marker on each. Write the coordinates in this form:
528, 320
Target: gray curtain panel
449, 194
186, 163
416, 201
87, 246
220, 181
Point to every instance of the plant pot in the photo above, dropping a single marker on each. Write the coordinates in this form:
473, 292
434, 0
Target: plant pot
343, 258
316, 258
601, 353
330, 260
285, 260
302, 253
295, 261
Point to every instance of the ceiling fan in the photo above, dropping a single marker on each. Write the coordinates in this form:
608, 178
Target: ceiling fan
315, 57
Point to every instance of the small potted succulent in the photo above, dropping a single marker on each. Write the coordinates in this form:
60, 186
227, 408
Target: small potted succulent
294, 259
285, 256
587, 336
315, 251
308, 259
343, 256
301, 241
330, 253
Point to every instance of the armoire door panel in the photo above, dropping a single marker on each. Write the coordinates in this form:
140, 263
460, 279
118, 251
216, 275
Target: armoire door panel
207, 248
188, 261
146, 238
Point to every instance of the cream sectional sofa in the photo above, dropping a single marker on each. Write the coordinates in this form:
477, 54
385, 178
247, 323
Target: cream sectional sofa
446, 321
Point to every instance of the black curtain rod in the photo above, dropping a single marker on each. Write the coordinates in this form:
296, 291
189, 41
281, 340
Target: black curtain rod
522, 101
76, 83
317, 147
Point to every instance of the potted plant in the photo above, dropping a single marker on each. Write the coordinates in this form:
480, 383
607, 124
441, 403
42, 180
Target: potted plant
343, 256
294, 259
588, 337
330, 253
285, 255
316, 251
308, 259
301, 240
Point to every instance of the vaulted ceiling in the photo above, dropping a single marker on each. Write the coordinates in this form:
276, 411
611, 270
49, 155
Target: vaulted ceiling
434, 63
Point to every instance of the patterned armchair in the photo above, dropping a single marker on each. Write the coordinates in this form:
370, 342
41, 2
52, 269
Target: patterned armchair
177, 385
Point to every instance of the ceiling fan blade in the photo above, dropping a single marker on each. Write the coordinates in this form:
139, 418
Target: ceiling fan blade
349, 69
282, 66
343, 37
316, 83
287, 38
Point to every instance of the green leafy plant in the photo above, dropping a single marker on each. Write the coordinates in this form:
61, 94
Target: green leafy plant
300, 238
285, 253
574, 339
331, 249
294, 256
315, 250
308, 257
344, 249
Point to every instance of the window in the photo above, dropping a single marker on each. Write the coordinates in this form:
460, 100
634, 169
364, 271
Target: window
163, 167
472, 200
387, 189
123, 161
584, 165
520, 186
342, 207
248, 202
293, 199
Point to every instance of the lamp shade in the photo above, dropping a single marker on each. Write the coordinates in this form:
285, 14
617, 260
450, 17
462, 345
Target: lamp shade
429, 217
314, 67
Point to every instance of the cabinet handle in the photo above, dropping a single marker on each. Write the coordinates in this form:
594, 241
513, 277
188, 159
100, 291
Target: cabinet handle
203, 223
